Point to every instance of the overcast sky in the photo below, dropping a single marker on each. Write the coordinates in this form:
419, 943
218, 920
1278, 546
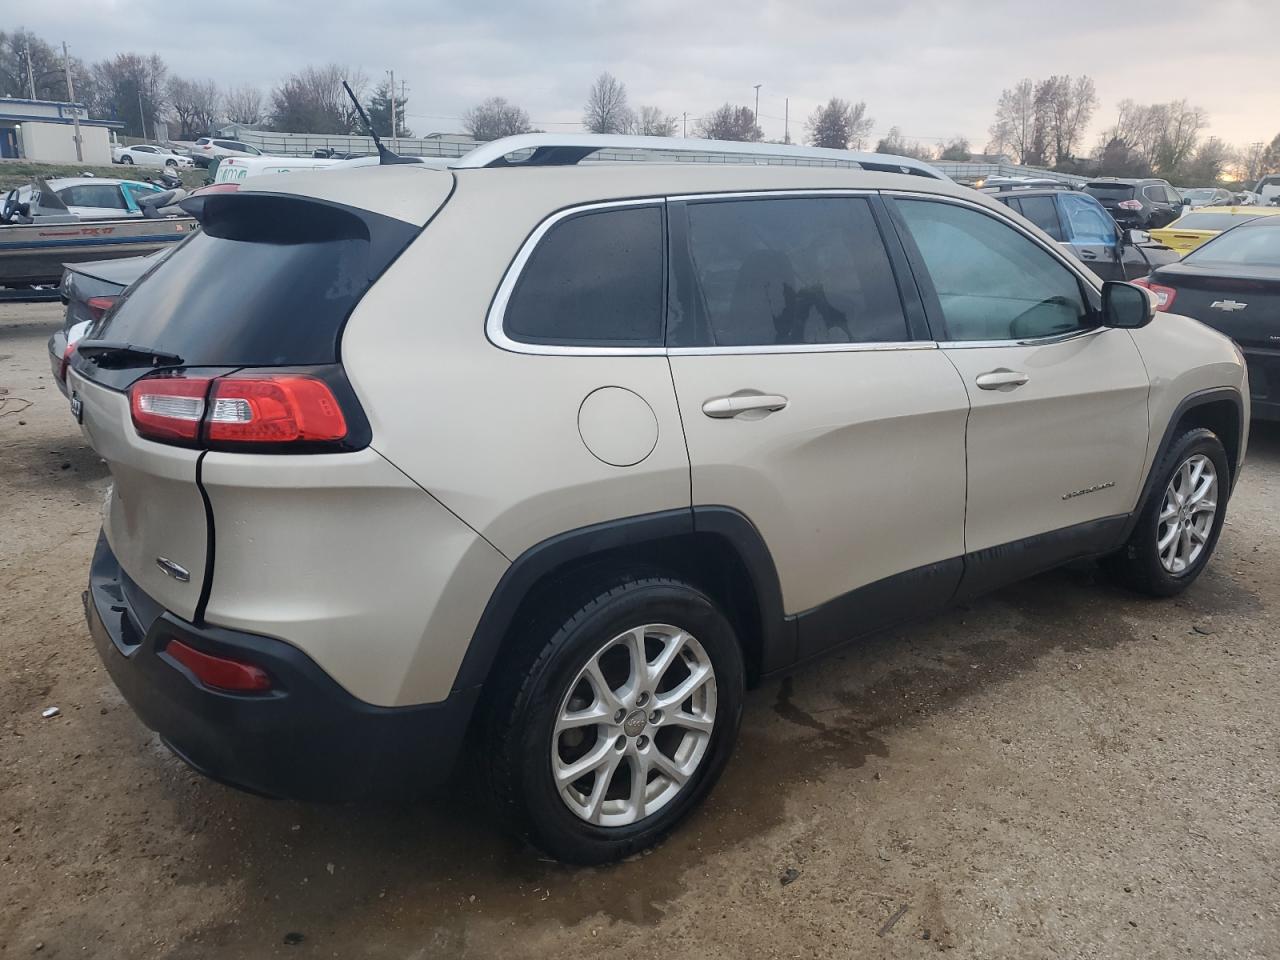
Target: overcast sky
934, 69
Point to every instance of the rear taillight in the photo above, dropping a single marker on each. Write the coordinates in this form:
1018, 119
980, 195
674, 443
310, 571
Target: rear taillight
98, 306
66, 362
274, 408
238, 411
1130, 204
169, 409
1164, 295
221, 673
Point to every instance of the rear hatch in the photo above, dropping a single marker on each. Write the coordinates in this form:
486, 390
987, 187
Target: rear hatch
1110, 195
1244, 305
230, 343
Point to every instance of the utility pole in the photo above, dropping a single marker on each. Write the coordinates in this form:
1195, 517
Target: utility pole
31, 77
786, 121
684, 126
393, 103
755, 117
71, 98
142, 117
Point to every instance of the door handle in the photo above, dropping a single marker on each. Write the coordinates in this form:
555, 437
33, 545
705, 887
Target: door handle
1088, 255
722, 408
1001, 379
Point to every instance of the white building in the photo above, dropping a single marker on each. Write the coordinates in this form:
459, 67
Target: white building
44, 131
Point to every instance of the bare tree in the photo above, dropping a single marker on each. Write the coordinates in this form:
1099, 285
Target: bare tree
893, 142
243, 104
651, 122
957, 148
313, 100
839, 125
1163, 136
1015, 122
730, 123
1070, 103
1208, 163
1270, 159
495, 118
128, 81
1181, 126
606, 110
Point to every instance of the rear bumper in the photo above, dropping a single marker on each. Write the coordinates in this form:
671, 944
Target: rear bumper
306, 739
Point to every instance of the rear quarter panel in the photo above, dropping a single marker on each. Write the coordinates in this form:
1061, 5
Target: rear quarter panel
493, 434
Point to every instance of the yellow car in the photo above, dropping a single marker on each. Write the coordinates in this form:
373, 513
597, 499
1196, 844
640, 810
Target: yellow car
1202, 224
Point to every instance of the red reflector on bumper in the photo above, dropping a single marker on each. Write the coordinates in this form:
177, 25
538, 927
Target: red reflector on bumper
219, 672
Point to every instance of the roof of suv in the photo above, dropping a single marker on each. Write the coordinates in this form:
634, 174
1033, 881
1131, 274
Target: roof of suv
1125, 181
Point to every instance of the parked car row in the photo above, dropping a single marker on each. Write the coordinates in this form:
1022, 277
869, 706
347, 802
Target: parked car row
706, 422
149, 155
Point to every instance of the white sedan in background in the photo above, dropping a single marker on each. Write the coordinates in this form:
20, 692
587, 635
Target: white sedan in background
150, 155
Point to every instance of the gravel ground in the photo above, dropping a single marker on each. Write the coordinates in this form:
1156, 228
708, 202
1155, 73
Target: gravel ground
1060, 770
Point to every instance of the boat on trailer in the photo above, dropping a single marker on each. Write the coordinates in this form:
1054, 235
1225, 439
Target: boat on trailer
39, 235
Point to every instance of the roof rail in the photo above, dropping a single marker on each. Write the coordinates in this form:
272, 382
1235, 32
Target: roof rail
554, 149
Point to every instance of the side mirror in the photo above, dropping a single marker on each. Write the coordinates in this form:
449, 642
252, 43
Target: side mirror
1126, 306
1185, 202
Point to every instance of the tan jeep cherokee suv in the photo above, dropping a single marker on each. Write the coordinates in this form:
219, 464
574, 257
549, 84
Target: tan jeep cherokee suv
559, 457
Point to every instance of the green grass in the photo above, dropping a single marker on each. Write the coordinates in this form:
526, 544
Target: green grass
17, 173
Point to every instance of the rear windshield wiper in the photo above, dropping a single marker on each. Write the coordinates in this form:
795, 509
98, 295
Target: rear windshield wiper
112, 353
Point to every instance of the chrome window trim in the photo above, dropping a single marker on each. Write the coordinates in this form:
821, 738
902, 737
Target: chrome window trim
769, 194
494, 320
1031, 342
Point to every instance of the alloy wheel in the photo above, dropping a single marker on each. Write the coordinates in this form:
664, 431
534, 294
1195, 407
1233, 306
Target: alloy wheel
1187, 514
634, 725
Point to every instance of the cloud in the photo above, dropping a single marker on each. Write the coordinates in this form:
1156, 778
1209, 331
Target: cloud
933, 69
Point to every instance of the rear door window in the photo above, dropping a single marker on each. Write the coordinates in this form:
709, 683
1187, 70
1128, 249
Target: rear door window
991, 281
1043, 212
594, 279
772, 271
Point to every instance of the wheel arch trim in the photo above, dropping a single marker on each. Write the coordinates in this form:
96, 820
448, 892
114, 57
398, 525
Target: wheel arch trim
532, 568
1200, 398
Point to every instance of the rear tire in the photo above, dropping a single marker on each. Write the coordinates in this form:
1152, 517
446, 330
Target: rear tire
648, 741
127, 159
1179, 526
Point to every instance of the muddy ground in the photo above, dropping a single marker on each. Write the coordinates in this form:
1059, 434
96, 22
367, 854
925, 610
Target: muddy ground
1060, 770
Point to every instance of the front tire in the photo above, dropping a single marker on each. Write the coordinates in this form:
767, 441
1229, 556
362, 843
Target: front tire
127, 159
619, 725
1179, 526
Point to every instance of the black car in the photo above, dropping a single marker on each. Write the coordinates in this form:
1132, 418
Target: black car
1082, 225
1232, 283
1138, 204
89, 290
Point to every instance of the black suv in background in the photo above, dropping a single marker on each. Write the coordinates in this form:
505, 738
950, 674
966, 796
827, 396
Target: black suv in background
1082, 225
1138, 204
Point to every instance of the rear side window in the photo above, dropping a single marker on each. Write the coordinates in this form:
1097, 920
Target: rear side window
774, 271
1043, 212
266, 281
1255, 245
594, 279
991, 281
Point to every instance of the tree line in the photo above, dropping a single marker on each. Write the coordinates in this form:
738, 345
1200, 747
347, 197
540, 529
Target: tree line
139, 90
1043, 123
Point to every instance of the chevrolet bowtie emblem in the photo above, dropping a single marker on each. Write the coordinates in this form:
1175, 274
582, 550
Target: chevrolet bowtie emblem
1228, 305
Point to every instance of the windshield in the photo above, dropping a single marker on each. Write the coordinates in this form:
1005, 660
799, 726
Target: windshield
1110, 191
1199, 195
1211, 221
1249, 246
